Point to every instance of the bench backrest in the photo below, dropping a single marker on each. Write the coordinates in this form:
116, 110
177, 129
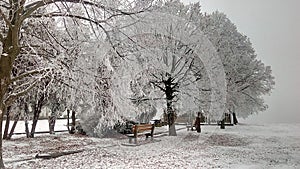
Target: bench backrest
142, 127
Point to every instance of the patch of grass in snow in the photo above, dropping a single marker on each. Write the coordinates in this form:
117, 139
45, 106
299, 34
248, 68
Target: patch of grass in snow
191, 137
226, 140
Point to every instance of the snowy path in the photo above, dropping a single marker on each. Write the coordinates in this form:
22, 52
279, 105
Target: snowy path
242, 146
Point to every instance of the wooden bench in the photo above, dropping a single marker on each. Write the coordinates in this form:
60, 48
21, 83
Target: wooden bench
191, 126
141, 129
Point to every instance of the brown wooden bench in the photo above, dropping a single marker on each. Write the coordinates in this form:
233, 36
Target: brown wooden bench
141, 129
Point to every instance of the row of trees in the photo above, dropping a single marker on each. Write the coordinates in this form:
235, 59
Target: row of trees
184, 60
108, 60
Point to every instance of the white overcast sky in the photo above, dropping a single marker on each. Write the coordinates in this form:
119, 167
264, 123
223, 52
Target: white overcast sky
273, 27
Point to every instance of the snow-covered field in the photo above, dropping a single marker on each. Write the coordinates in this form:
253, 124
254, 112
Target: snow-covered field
241, 146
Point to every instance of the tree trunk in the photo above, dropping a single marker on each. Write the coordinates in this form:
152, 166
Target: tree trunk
73, 122
1, 145
68, 121
36, 115
222, 126
172, 130
197, 123
170, 111
7, 122
10, 50
5, 70
34, 122
171, 122
52, 120
4, 82
26, 118
235, 121
16, 119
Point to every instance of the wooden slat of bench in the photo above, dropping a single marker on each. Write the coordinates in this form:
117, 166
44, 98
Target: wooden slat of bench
142, 127
139, 134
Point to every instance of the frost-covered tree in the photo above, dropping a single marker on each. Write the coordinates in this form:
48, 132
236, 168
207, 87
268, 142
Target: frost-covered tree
247, 78
168, 63
173, 72
96, 109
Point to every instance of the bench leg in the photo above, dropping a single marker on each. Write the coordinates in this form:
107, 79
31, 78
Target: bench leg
149, 136
130, 140
135, 140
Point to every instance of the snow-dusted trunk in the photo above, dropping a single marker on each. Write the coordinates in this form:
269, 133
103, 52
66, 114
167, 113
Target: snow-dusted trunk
1, 121
36, 114
9, 52
171, 119
4, 82
198, 123
55, 108
222, 122
73, 118
73, 122
235, 120
170, 111
26, 117
52, 120
68, 121
7, 123
172, 130
16, 119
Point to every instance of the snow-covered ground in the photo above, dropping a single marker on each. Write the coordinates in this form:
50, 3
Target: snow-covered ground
42, 125
241, 146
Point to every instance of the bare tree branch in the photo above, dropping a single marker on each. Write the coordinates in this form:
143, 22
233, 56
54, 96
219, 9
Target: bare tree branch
14, 96
33, 72
5, 19
30, 8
